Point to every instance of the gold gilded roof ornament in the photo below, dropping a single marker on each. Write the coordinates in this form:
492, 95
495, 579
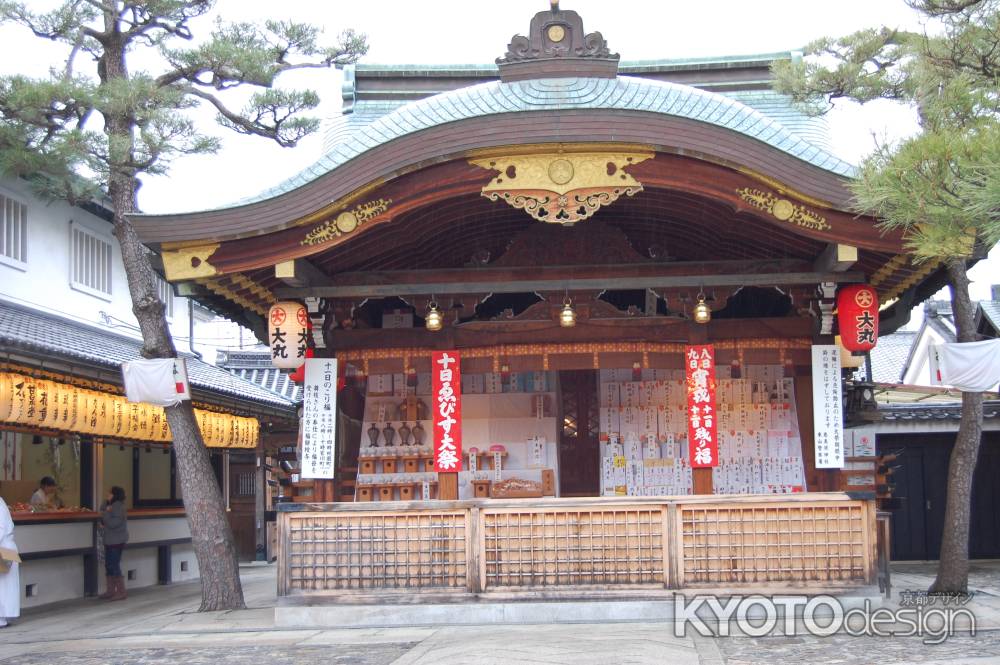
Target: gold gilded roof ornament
346, 222
783, 209
562, 188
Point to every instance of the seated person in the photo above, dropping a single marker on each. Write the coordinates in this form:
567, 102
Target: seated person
44, 497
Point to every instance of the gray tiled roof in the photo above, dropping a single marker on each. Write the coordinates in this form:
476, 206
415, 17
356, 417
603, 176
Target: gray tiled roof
991, 410
889, 357
991, 311
623, 93
30, 330
255, 366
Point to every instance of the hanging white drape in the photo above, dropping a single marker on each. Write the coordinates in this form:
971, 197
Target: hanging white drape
969, 366
151, 381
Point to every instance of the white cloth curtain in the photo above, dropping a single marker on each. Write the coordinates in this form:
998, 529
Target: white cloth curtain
969, 366
151, 381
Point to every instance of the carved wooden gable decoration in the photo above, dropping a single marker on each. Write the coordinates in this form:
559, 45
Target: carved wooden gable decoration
562, 188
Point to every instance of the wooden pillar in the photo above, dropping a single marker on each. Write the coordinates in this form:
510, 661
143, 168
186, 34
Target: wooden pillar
448, 486
260, 505
701, 479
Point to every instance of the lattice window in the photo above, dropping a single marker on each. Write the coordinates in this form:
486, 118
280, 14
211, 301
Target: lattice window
246, 483
90, 261
366, 551
166, 293
569, 409
762, 544
13, 232
602, 546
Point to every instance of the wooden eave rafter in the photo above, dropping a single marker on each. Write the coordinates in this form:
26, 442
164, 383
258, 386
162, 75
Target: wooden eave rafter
433, 187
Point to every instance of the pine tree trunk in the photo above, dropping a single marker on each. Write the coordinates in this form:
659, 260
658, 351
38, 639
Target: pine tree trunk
953, 566
211, 535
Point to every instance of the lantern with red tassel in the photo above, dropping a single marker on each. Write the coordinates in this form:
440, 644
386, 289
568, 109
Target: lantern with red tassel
857, 316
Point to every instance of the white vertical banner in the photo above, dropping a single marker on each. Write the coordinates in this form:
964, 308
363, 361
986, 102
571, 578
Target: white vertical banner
828, 417
319, 418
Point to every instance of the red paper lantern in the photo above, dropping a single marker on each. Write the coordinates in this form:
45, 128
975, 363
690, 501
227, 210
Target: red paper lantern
857, 315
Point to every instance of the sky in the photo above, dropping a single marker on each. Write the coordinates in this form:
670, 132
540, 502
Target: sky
476, 32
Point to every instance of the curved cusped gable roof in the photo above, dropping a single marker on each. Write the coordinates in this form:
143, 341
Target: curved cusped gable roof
666, 116
623, 93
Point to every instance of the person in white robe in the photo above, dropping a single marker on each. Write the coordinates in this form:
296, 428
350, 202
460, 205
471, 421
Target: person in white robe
10, 585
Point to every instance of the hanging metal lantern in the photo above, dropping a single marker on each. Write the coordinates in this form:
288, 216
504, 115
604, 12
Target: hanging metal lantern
702, 312
434, 319
567, 317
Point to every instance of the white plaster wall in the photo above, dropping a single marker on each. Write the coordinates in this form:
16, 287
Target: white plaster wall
183, 553
143, 561
48, 537
56, 579
161, 528
45, 283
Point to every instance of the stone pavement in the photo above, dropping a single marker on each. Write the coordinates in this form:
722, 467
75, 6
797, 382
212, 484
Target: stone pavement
159, 626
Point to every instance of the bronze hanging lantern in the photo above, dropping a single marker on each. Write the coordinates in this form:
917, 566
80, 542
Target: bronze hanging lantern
567, 317
434, 319
702, 312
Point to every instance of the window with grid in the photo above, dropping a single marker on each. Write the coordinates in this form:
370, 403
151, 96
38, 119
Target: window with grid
90, 261
13, 232
166, 295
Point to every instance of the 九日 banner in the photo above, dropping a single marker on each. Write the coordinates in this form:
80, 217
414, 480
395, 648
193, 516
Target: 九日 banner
703, 442
446, 386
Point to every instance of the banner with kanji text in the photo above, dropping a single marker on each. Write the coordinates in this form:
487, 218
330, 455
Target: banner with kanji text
703, 441
446, 384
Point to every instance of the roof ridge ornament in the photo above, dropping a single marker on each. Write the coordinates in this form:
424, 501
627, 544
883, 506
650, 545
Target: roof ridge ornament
557, 47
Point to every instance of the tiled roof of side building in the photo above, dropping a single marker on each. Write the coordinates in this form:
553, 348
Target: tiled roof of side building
889, 357
255, 366
991, 311
33, 331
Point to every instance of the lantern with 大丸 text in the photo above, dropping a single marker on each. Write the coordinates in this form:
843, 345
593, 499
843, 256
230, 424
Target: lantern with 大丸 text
288, 334
857, 315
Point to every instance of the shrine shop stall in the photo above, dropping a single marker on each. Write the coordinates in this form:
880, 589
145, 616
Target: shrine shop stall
64, 416
565, 324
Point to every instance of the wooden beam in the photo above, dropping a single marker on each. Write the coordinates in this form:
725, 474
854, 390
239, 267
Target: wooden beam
300, 273
636, 329
836, 258
191, 290
566, 284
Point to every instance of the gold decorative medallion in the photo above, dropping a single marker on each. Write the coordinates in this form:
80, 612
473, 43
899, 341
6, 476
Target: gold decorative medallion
783, 209
346, 222
556, 33
562, 188
561, 171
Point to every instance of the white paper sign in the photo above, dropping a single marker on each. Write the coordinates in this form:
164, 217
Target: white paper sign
828, 422
319, 418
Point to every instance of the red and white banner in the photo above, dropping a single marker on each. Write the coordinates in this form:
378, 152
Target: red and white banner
703, 441
446, 377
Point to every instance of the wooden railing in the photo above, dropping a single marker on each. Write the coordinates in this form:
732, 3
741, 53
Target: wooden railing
824, 540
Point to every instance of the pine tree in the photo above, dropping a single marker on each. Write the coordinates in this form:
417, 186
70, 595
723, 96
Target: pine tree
941, 186
96, 125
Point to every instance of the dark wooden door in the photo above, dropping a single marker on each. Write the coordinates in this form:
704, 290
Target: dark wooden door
242, 505
921, 482
579, 445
